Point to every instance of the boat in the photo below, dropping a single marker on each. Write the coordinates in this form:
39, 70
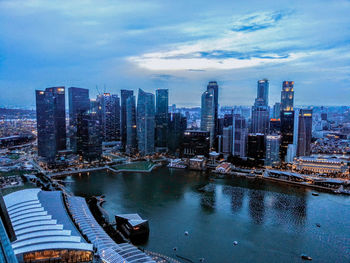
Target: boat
315, 194
306, 257
133, 227
179, 166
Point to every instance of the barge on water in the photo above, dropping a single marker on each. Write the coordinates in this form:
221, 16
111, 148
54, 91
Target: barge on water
133, 227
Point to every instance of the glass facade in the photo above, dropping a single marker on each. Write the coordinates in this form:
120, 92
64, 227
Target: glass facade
131, 131
49, 256
6, 252
124, 95
162, 103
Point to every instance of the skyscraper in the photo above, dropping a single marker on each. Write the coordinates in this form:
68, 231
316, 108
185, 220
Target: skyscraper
263, 92
79, 103
162, 103
51, 121
110, 116
124, 95
304, 133
213, 88
239, 135
256, 146
131, 130
287, 96
145, 122
227, 140
89, 139
260, 110
207, 115
287, 117
277, 111
177, 125
272, 150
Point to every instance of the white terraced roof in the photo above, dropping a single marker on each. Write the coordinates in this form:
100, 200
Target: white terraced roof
41, 222
109, 251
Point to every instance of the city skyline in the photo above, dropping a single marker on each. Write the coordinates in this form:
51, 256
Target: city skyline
173, 47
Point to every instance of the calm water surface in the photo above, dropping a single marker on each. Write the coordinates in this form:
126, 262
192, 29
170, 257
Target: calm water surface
271, 222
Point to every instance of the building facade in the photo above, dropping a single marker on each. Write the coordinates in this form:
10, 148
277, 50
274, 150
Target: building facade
207, 114
131, 129
304, 133
51, 121
239, 135
177, 125
195, 143
124, 96
145, 122
272, 157
162, 105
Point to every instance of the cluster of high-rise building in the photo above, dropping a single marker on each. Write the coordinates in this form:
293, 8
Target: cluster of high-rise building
143, 125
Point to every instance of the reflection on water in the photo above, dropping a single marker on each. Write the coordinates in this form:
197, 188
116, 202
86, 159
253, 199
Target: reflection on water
272, 223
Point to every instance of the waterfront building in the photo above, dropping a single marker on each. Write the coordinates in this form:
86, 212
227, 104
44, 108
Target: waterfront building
89, 136
272, 150
79, 103
287, 131
256, 146
124, 96
239, 135
227, 140
322, 165
276, 111
109, 105
177, 125
260, 110
207, 115
195, 143
287, 96
304, 133
145, 122
162, 105
291, 150
44, 228
131, 130
51, 121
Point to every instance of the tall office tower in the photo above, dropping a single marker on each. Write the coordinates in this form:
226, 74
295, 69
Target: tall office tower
227, 140
239, 135
162, 103
79, 103
109, 116
277, 111
131, 131
256, 146
207, 115
177, 125
287, 117
89, 135
124, 95
260, 110
304, 133
263, 92
51, 121
145, 122
272, 150
287, 131
213, 88
287, 96
275, 126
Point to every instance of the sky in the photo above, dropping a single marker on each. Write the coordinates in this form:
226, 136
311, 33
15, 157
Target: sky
179, 45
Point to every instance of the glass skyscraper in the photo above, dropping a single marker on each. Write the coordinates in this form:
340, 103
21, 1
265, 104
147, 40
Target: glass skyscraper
124, 96
145, 122
131, 130
287, 96
304, 133
207, 115
162, 105
213, 88
263, 91
51, 121
260, 110
79, 103
272, 150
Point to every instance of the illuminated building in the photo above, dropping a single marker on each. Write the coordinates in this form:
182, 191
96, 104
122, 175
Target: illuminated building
263, 91
239, 135
51, 121
227, 140
256, 146
287, 96
321, 165
145, 122
260, 110
162, 104
124, 96
79, 103
213, 88
287, 131
195, 143
44, 229
207, 115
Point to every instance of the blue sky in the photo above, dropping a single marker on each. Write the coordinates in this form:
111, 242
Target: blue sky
179, 45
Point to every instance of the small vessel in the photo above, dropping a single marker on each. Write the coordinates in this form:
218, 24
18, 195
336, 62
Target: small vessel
306, 257
235, 243
186, 233
318, 225
315, 194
